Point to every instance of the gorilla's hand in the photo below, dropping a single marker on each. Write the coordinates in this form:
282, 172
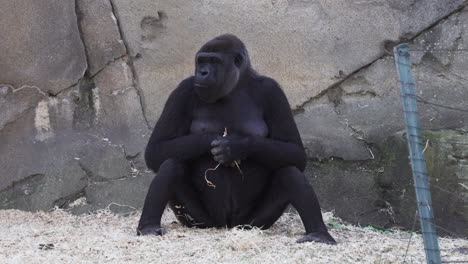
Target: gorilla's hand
228, 149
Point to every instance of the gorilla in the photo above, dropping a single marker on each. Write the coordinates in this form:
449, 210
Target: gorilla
227, 151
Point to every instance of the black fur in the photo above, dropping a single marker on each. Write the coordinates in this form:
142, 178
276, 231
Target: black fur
262, 157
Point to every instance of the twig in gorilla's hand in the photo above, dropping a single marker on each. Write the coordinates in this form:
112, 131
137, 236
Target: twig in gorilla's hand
237, 165
235, 162
208, 182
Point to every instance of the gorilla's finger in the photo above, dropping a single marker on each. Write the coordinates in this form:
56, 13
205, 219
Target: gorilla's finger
219, 158
215, 142
219, 142
216, 151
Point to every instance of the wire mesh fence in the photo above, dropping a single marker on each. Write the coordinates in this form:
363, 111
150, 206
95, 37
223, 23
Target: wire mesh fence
418, 143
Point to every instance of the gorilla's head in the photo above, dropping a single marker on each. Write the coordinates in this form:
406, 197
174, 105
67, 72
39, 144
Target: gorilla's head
219, 65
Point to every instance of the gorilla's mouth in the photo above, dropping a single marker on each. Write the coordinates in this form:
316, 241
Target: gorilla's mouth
205, 96
200, 85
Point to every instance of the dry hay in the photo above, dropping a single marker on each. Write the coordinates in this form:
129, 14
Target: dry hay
59, 237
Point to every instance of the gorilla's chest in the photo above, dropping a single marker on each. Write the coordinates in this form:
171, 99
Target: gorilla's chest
240, 115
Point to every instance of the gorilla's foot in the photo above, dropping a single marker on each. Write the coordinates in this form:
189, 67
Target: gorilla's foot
244, 227
321, 237
151, 231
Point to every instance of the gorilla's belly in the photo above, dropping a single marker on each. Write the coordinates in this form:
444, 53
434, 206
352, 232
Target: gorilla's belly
234, 194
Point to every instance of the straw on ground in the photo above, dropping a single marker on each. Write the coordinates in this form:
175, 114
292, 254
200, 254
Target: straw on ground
59, 237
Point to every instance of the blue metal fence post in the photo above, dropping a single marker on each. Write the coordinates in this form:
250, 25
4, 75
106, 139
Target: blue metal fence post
416, 145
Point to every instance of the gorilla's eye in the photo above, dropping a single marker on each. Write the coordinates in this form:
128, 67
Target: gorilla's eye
238, 60
209, 59
215, 60
201, 60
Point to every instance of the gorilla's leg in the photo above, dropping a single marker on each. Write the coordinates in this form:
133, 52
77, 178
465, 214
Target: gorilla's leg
289, 185
170, 183
188, 208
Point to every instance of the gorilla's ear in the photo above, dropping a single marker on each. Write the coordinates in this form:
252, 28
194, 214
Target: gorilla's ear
238, 60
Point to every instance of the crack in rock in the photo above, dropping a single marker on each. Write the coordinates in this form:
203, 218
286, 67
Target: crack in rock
90, 176
80, 30
23, 181
123, 57
300, 108
139, 91
65, 201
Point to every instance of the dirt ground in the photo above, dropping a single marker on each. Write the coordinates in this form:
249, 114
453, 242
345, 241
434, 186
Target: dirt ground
59, 237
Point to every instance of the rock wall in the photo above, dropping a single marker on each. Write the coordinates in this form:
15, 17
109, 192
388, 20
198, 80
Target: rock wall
83, 82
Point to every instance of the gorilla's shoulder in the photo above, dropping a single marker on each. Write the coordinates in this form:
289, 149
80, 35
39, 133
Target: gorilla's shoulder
268, 85
185, 87
268, 81
184, 91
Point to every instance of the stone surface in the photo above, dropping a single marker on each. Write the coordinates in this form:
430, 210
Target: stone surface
57, 147
373, 94
325, 136
381, 192
369, 102
40, 148
118, 112
100, 33
73, 136
25, 139
306, 45
447, 164
350, 190
45, 175
102, 161
120, 196
17, 102
41, 44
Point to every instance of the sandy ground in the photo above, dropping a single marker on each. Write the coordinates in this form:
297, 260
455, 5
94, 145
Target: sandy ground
59, 237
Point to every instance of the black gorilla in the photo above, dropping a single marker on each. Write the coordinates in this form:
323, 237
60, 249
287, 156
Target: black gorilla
261, 155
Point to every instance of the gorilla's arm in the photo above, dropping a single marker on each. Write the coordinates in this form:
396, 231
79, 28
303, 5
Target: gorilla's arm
283, 147
170, 137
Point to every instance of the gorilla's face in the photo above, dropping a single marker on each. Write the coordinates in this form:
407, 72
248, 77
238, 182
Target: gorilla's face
218, 68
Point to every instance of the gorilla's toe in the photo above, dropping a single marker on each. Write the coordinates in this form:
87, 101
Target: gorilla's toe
152, 231
321, 237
